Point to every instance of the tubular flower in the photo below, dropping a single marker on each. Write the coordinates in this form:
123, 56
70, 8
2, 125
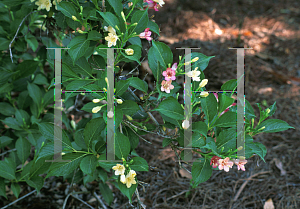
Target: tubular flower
96, 109
44, 4
110, 29
215, 161
170, 73
203, 83
227, 109
96, 100
146, 34
112, 39
166, 86
129, 51
194, 74
204, 94
240, 164
225, 164
129, 179
119, 169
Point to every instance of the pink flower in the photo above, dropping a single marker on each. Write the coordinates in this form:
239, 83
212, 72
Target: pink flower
225, 164
166, 86
153, 4
146, 34
215, 161
240, 164
170, 73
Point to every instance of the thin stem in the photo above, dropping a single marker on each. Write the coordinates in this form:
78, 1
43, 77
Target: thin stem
17, 200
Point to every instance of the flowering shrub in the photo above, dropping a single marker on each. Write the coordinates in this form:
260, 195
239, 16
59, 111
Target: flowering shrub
88, 29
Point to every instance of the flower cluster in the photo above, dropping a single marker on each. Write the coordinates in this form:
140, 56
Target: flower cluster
153, 4
112, 36
129, 179
46, 4
169, 75
227, 163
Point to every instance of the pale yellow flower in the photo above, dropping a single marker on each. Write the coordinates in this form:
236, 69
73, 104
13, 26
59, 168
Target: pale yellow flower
203, 83
44, 4
119, 169
96, 100
204, 94
112, 39
54, 3
129, 51
96, 109
110, 114
110, 29
123, 179
194, 74
129, 179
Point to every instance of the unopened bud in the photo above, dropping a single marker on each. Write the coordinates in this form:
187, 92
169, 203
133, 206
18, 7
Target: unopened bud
195, 59
80, 31
164, 128
96, 100
104, 89
262, 128
106, 80
180, 57
98, 155
128, 117
119, 101
204, 94
74, 18
123, 16
182, 106
239, 148
203, 83
268, 111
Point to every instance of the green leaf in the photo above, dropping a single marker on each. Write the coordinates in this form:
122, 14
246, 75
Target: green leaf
159, 52
79, 138
15, 187
85, 67
6, 88
209, 106
203, 61
93, 130
117, 6
35, 93
129, 107
32, 42
127, 191
228, 119
6, 109
138, 84
141, 18
22, 116
4, 141
88, 164
6, 170
197, 140
23, 149
118, 116
40, 166
224, 102
26, 68
4, 43
166, 142
135, 41
12, 123
111, 19
67, 8
94, 36
249, 112
40, 79
36, 182
229, 85
106, 193
153, 27
171, 108
65, 168
139, 164
201, 171
211, 145
273, 125
77, 84
47, 130
200, 127
78, 47
122, 145
227, 139
2, 188
121, 87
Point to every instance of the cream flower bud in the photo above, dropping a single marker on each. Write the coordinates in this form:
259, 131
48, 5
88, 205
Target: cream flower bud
203, 83
106, 80
119, 101
185, 124
195, 59
96, 100
268, 110
80, 31
96, 109
204, 94
110, 114
239, 148
74, 18
123, 16
128, 117
129, 51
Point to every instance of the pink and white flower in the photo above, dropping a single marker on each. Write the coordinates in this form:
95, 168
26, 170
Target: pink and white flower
225, 164
240, 164
215, 161
146, 34
166, 86
170, 73
153, 4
